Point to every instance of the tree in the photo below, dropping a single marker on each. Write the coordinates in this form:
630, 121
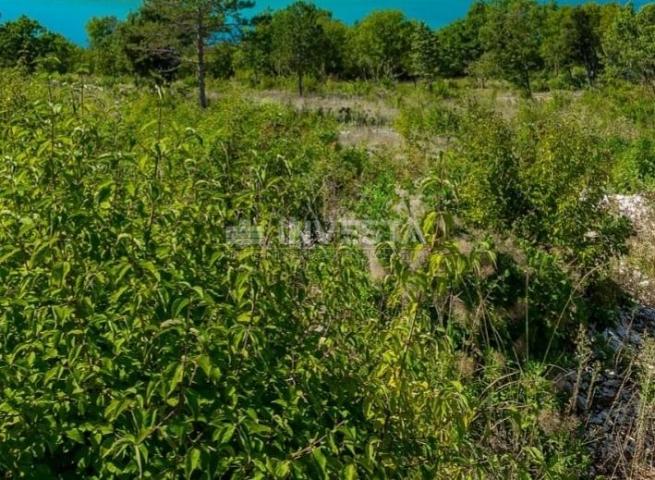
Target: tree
424, 53
194, 24
255, 49
459, 43
106, 46
483, 69
572, 37
336, 38
503, 184
380, 44
220, 60
630, 45
150, 48
299, 41
587, 20
559, 41
27, 43
513, 34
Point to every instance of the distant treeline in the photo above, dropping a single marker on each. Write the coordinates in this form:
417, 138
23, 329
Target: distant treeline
521, 41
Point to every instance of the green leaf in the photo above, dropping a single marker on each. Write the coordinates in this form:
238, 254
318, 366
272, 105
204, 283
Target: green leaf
103, 192
350, 472
192, 462
536, 454
61, 271
204, 362
317, 453
178, 375
115, 408
75, 434
224, 434
282, 469
8, 255
137, 456
151, 268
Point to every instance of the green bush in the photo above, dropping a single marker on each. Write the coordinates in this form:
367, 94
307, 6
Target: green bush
141, 339
635, 169
545, 179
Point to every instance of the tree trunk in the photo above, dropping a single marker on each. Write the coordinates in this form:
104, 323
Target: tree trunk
527, 82
591, 66
589, 70
202, 70
301, 86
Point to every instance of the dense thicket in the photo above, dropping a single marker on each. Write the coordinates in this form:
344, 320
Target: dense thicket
184, 291
157, 323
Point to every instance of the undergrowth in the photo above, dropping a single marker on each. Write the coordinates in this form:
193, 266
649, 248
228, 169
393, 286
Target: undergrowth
157, 324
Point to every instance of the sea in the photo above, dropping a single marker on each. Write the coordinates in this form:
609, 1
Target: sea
69, 17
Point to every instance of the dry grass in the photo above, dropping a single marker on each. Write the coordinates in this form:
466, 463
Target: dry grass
373, 138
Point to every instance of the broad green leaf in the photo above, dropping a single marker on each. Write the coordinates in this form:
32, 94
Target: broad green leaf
192, 462
178, 375
75, 434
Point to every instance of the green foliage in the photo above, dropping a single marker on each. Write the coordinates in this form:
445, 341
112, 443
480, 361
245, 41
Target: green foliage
630, 45
140, 339
635, 169
105, 49
533, 45
220, 60
459, 42
544, 179
161, 316
424, 53
254, 55
421, 124
573, 38
512, 36
380, 43
299, 41
150, 48
26, 43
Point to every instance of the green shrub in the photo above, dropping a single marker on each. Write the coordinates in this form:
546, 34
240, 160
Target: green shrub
545, 180
635, 169
142, 339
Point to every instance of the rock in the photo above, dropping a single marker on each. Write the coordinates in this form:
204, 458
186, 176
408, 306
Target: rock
581, 402
635, 207
599, 418
611, 415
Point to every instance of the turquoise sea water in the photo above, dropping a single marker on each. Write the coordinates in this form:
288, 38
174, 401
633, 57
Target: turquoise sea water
68, 17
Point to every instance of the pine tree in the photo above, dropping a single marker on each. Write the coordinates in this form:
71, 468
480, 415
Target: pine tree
196, 24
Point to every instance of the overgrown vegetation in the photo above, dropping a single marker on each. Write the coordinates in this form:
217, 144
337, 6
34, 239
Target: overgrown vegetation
201, 279
141, 339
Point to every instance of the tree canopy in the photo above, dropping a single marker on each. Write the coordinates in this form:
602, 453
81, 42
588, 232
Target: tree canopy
25, 42
299, 41
528, 43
